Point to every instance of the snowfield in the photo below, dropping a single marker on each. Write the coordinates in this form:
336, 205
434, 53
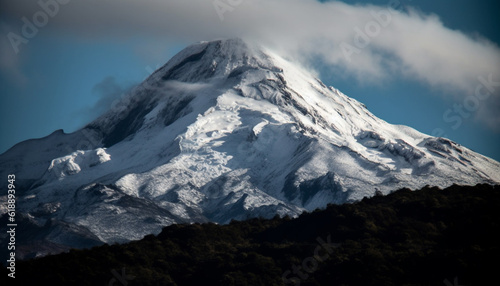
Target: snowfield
225, 130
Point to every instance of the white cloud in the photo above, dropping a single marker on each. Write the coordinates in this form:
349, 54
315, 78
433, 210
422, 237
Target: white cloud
390, 43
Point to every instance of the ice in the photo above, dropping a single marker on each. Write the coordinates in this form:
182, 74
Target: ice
75, 162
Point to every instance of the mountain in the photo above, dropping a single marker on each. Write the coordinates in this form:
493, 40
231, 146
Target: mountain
225, 130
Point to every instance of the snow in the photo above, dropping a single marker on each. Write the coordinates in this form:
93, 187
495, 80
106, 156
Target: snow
75, 162
230, 131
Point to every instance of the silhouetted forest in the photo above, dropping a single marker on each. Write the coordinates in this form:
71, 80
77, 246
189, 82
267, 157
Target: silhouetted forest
426, 237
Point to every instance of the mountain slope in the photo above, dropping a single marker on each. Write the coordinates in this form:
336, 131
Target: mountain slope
225, 130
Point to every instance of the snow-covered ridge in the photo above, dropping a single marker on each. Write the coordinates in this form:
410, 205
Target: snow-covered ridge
226, 130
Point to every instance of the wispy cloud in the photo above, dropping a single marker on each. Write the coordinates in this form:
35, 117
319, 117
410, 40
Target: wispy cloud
10, 63
406, 43
108, 91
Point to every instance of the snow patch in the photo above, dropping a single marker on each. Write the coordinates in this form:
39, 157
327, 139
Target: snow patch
74, 163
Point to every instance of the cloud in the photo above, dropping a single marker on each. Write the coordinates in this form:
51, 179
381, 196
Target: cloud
108, 91
370, 43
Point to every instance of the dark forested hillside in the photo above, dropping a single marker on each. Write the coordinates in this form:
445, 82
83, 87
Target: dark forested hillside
426, 237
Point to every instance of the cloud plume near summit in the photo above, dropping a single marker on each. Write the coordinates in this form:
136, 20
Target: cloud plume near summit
369, 43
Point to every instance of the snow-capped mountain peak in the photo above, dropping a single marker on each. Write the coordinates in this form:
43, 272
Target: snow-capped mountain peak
225, 130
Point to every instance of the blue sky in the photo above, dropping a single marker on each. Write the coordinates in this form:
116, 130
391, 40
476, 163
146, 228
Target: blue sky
413, 72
